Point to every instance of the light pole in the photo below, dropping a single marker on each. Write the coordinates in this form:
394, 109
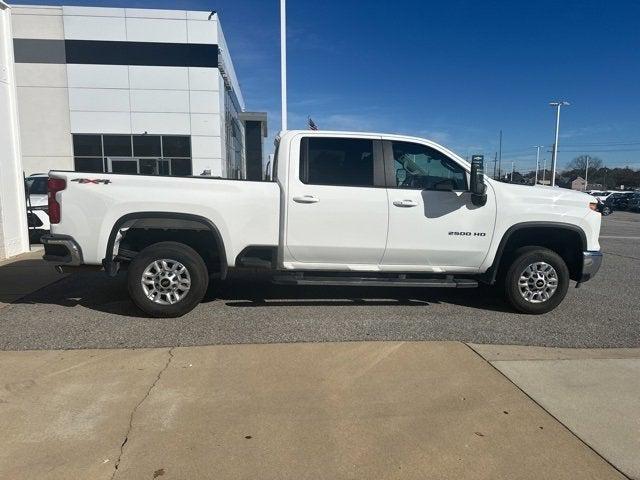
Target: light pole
512, 168
538, 147
283, 62
544, 169
586, 174
558, 104
500, 156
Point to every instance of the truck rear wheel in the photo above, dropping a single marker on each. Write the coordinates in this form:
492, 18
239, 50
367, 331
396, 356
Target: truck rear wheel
537, 280
167, 279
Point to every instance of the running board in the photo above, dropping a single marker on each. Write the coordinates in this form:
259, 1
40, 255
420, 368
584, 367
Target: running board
448, 282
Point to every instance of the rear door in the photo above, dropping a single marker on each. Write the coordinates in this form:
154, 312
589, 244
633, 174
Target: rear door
337, 209
432, 221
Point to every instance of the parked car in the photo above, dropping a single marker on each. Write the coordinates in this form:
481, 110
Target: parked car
37, 206
634, 202
619, 200
604, 208
601, 195
358, 209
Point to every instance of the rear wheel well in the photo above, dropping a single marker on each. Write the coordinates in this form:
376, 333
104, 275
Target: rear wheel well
134, 232
566, 242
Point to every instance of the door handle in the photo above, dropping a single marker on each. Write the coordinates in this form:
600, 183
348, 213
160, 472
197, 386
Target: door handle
405, 203
306, 199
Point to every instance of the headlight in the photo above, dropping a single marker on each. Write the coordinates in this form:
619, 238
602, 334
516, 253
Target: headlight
593, 206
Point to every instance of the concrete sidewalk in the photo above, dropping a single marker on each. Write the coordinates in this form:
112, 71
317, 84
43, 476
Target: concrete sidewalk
594, 392
332, 410
24, 274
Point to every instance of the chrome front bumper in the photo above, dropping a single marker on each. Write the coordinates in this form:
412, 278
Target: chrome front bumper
591, 262
61, 250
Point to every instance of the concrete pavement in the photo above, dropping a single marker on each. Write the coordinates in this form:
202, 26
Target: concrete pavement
332, 410
595, 393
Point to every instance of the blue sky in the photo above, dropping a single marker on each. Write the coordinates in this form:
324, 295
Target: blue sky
456, 71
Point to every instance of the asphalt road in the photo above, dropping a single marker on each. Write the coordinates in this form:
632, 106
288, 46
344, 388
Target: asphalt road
91, 311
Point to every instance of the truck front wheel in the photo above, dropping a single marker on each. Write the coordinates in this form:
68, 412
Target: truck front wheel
167, 279
537, 280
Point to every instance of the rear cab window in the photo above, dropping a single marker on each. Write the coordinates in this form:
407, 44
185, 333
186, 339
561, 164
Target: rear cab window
348, 162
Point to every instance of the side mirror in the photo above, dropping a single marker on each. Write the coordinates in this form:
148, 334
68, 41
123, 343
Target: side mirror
478, 187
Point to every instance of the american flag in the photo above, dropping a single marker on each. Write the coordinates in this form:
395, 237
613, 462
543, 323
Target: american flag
312, 125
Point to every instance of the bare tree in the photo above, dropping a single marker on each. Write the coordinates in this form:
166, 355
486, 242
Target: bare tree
580, 163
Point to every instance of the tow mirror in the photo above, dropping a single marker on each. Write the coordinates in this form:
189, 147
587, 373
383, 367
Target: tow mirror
478, 187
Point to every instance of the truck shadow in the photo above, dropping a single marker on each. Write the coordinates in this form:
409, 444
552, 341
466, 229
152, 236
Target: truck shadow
265, 295
99, 293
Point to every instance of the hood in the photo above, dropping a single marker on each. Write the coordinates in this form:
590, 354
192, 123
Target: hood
545, 194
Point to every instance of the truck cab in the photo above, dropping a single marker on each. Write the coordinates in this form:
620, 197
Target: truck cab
340, 208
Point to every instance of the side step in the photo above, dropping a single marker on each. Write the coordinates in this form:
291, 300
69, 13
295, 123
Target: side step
448, 282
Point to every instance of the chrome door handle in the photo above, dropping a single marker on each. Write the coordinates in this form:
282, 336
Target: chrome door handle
405, 203
306, 199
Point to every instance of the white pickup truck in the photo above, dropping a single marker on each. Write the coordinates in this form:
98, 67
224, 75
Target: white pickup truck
341, 209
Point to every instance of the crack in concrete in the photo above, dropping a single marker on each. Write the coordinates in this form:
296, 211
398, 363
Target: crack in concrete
135, 409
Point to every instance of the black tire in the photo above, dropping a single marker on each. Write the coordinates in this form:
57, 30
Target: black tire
523, 258
196, 273
606, 210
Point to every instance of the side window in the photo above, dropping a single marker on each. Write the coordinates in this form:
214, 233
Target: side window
336, 161
421, 167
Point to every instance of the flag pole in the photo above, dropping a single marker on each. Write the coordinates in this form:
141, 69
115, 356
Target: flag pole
283, 62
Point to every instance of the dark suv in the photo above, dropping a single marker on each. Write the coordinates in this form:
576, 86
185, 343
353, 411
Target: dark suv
618, 200
634, 202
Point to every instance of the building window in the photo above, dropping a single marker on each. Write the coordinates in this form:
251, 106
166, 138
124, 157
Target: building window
88, 164
234, 144
133, 154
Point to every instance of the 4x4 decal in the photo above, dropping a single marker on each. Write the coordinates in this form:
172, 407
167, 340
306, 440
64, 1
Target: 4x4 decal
92, 180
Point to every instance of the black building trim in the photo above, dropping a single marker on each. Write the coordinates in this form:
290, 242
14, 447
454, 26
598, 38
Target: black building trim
31, 50
97, 52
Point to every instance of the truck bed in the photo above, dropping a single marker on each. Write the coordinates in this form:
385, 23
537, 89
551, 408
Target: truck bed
245, 212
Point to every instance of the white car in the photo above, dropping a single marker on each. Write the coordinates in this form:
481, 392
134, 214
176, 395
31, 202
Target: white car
599, 194
37, 205
341, 209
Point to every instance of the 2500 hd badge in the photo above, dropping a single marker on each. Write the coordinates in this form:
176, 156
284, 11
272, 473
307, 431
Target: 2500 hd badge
468, 234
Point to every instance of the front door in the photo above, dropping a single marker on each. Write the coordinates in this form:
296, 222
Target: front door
432, 221
337, 209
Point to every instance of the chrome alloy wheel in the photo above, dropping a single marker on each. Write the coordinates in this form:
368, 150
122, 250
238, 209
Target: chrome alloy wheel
166, 281
538, 282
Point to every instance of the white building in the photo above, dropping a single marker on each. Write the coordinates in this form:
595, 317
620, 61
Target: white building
128, 90
13, 219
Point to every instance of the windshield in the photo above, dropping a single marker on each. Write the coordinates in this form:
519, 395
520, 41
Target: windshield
37, 185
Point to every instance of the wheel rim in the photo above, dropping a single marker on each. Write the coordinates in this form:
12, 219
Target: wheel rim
538, 282
166, 281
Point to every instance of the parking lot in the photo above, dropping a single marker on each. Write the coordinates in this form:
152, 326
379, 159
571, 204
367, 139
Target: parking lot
88, 310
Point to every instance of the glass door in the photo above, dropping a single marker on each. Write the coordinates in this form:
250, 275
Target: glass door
122, 165
148, 166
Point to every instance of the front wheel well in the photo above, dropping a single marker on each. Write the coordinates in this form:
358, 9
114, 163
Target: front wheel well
569, 243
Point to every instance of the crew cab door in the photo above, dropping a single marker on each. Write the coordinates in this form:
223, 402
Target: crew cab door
432, 220
336, 202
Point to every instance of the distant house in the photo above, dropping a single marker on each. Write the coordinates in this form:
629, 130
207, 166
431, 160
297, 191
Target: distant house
578, 184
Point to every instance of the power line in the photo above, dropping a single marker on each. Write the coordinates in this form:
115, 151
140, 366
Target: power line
602, 144
602, 150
